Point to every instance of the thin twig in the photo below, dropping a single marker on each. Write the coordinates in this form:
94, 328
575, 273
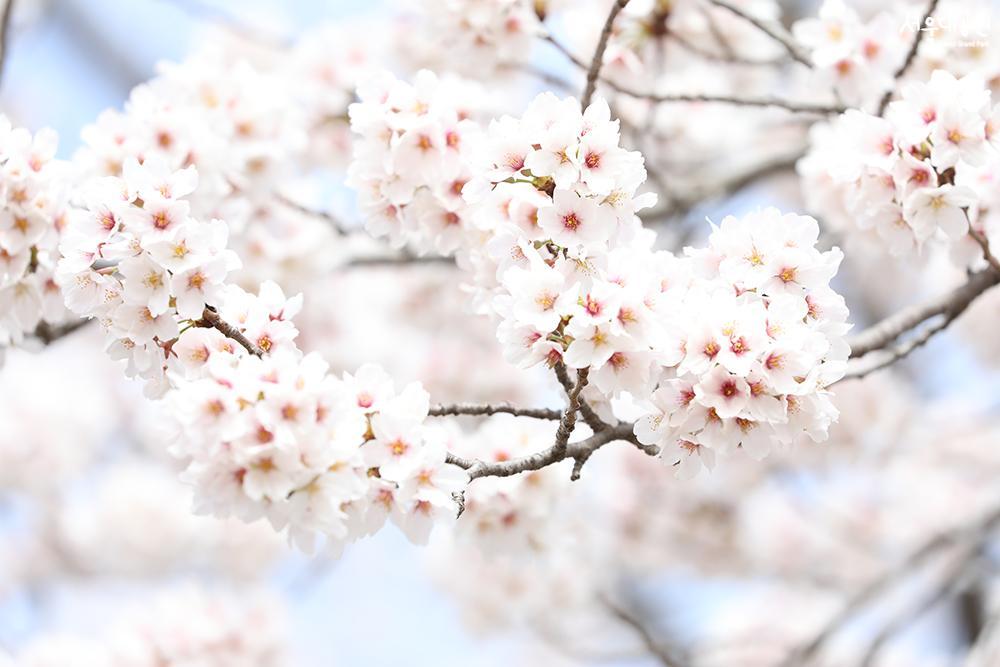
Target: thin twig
910, 57
787, 105
487, 409
334, 222
772, 29
210, 319
598, 59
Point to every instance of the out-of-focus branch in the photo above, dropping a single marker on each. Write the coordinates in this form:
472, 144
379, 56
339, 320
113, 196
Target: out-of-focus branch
772, 29
402, 259
883, 336
646, 635
991, 259
972, 534
211, 319
335, 223
8, 10
598, 58
48, 333
795, 107
910, 57
487, 409
954, 579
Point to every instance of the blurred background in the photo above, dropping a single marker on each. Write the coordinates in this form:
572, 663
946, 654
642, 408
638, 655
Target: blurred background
95, 528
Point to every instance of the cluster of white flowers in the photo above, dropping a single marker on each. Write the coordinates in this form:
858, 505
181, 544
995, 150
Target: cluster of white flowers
913, 176
278, 437
762, 336
135, 259
857, 58
481, 35
574, 272
33, 209
225, 110
187, 626
412, 162
749, 326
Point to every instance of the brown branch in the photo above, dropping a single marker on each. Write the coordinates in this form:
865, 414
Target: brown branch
568, 421
772, 29
210, 319
974, 532
951, 305
991, 259
910, 57
598, 59
402, 259
589, 416
49, 333
487, 409
8, 10
554, 454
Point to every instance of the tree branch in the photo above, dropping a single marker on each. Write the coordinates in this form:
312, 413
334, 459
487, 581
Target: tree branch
589, 416
910, 57
335, 223
568, 421
772, 29
795, 107
211, 319
973, 533
48, 334
950, 305
598, 58
487, 409
8, 10
649, 640
554, 454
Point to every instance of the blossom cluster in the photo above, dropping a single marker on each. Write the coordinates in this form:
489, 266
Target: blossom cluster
412, 163
762, 338
914, 176
187, 626
33, 211
749, 325
135, 259
857, 58
279, 437
224, 111
574, 270
481, 35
